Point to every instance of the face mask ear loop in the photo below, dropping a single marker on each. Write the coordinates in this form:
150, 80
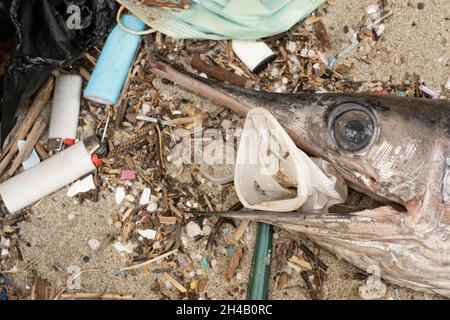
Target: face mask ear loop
138, 33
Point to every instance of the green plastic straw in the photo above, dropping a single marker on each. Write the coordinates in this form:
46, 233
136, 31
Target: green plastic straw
259, 279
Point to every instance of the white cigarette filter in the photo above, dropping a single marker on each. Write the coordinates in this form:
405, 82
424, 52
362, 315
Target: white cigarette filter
47, 177
256, 55
66, 108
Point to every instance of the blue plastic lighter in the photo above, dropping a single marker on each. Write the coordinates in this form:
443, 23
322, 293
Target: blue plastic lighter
114, 63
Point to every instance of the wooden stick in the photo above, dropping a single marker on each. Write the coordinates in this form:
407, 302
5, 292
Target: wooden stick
41, 151
186, 120
36, 108
167, 220
98, 296
241, 229
90, 58
85, 74
31, 141
174, 282
146, 263
220, 73
302, 263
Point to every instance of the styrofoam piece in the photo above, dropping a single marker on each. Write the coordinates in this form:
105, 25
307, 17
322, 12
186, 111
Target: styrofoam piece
145, 197
120, 195
47, 177
33, 159
66, 107
116, 58
81, 186
272, 174
149, 234
254, 54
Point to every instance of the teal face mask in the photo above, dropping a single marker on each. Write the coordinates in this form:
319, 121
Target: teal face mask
225, 19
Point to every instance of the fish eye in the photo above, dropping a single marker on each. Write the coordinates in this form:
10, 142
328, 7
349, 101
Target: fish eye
352, 126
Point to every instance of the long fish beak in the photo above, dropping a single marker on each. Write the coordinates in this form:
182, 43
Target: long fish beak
196, 84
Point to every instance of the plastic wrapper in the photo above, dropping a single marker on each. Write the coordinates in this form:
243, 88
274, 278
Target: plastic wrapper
272, 174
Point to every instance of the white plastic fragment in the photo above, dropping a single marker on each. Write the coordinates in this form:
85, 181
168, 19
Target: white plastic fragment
81, 186
94, 244
145, 197
32, 160
128, 247
146, 108
120, 195
272, 174
193, 229
291, 46
152, 207
149, 234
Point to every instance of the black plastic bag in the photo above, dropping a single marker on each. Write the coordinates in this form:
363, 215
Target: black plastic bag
48, 34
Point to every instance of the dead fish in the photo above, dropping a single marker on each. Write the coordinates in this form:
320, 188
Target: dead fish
394, 149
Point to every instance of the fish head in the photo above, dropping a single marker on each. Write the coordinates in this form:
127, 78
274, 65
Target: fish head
393, 149
387, 147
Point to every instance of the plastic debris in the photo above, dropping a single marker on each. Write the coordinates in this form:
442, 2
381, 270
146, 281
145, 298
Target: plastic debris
49, 176
152, 207
258, 288
429, 92
230, 252
193, 229
258, 182
112, 67
81, 186
65, 111
145, 197
128, 175
204, 262
354, 44
120, 273
256, 55
127, 247
148, 234
229, 19
120, 195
